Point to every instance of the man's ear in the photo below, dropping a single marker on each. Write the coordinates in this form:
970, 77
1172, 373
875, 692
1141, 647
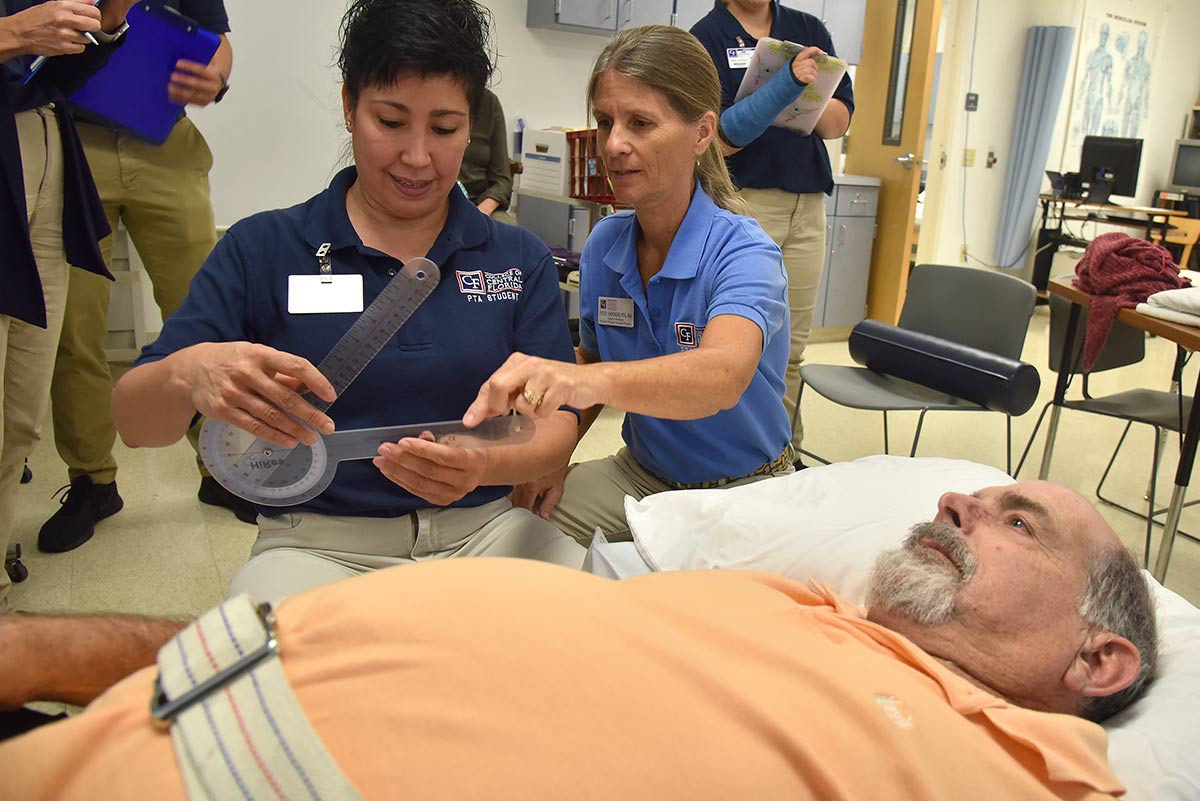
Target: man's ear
1106, 664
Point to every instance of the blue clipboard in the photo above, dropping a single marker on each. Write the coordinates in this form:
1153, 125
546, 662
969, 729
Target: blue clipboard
131, 91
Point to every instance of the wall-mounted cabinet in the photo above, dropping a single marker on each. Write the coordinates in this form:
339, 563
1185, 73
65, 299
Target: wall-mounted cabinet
600, 17
843, 18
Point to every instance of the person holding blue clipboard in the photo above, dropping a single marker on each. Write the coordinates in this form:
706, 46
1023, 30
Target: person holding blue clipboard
160, 191
50, 215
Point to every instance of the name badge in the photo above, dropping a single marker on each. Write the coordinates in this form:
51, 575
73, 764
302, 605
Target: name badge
308, 294
739, 57
615, 311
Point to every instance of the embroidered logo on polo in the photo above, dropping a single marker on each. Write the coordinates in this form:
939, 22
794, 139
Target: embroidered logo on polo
688, 334
483, 287
895, 710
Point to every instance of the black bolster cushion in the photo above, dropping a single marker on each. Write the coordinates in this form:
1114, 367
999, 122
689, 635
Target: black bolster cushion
994, 382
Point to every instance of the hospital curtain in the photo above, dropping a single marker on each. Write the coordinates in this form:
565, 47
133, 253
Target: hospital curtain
1047, 56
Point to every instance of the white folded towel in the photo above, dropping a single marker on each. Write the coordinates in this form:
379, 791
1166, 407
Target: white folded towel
1182, 300
1170, 315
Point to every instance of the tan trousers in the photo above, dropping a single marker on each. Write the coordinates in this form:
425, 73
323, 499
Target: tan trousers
162, 195
797, 224
594, 495
296, 552
26, 351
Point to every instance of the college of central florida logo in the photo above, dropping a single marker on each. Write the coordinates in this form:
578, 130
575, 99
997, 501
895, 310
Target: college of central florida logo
688, 334
484, 287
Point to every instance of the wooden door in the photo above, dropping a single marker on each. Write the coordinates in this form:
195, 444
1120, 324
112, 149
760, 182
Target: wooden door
893, 155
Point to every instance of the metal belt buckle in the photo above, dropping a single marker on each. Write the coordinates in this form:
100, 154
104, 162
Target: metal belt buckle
165, 710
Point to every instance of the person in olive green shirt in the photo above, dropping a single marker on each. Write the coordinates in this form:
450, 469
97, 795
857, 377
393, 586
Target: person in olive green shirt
484, 172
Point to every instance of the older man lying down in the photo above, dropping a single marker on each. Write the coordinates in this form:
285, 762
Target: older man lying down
990, 636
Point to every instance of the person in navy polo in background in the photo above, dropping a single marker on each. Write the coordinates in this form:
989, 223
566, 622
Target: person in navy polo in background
235, 353
50, 216
783, 175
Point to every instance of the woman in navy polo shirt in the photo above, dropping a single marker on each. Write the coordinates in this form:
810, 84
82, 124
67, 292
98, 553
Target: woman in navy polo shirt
783, 175
235, 352
683, 304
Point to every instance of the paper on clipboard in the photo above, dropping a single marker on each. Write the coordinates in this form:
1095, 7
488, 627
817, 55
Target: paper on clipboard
769, 57
130, 92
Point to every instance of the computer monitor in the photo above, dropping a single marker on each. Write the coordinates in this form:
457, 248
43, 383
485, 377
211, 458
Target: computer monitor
1109, 165
1185, 167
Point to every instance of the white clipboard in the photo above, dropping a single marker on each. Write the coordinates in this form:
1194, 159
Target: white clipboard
772, 55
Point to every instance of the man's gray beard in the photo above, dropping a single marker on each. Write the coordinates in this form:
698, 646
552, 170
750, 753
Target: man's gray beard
915, 582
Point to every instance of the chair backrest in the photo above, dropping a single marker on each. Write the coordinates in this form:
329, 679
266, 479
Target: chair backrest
1184, 231
975, 307
1124, 346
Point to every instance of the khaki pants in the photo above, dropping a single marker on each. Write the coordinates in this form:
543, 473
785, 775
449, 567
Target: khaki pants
797, 224
162, 195
594, 495
26, 351
296, 552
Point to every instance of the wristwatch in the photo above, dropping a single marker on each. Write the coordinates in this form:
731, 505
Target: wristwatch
223, 90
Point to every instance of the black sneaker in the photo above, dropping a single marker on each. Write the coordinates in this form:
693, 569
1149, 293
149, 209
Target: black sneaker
212, 493
26, 474
84, 504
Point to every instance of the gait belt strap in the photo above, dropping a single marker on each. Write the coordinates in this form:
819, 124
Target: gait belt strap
238, 730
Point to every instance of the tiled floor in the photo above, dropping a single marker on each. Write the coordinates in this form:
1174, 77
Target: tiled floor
167, 554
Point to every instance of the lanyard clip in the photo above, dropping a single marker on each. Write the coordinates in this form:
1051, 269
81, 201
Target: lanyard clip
326, 265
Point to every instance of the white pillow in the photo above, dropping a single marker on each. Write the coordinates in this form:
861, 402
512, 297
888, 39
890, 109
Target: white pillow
829, 523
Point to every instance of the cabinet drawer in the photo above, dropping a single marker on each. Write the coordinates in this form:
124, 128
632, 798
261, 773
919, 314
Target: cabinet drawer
856, 201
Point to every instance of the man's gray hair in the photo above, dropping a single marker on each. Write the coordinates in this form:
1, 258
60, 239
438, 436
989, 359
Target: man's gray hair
1116, 599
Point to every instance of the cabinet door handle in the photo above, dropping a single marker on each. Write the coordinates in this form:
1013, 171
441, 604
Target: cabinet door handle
612, 9
629, 18
842, 234
857, 202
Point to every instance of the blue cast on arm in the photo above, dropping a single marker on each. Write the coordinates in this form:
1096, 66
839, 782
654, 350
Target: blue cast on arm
745, 120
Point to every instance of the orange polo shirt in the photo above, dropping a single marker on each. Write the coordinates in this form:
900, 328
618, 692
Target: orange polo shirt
509, 679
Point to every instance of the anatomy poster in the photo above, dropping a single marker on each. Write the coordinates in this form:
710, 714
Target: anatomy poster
1112, 72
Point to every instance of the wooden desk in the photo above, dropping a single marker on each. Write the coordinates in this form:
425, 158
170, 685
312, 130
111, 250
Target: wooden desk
1050, 234
1185, 337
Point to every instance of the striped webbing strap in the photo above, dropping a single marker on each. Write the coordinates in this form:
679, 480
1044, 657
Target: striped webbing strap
238, 729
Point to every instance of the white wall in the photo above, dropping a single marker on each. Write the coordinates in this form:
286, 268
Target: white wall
278, 136
975, 193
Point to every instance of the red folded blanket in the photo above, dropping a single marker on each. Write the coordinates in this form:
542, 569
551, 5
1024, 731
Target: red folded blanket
1119, 272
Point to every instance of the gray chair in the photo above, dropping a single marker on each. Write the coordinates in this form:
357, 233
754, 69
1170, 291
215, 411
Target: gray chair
1161, 410
977, 308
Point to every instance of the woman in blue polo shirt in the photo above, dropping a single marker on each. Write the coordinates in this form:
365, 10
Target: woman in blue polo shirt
683, 304
235, 351
783, 175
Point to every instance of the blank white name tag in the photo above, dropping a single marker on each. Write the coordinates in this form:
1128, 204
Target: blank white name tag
308, 294
615, 311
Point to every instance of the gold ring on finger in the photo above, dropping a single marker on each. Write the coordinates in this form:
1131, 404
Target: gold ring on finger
532, 399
